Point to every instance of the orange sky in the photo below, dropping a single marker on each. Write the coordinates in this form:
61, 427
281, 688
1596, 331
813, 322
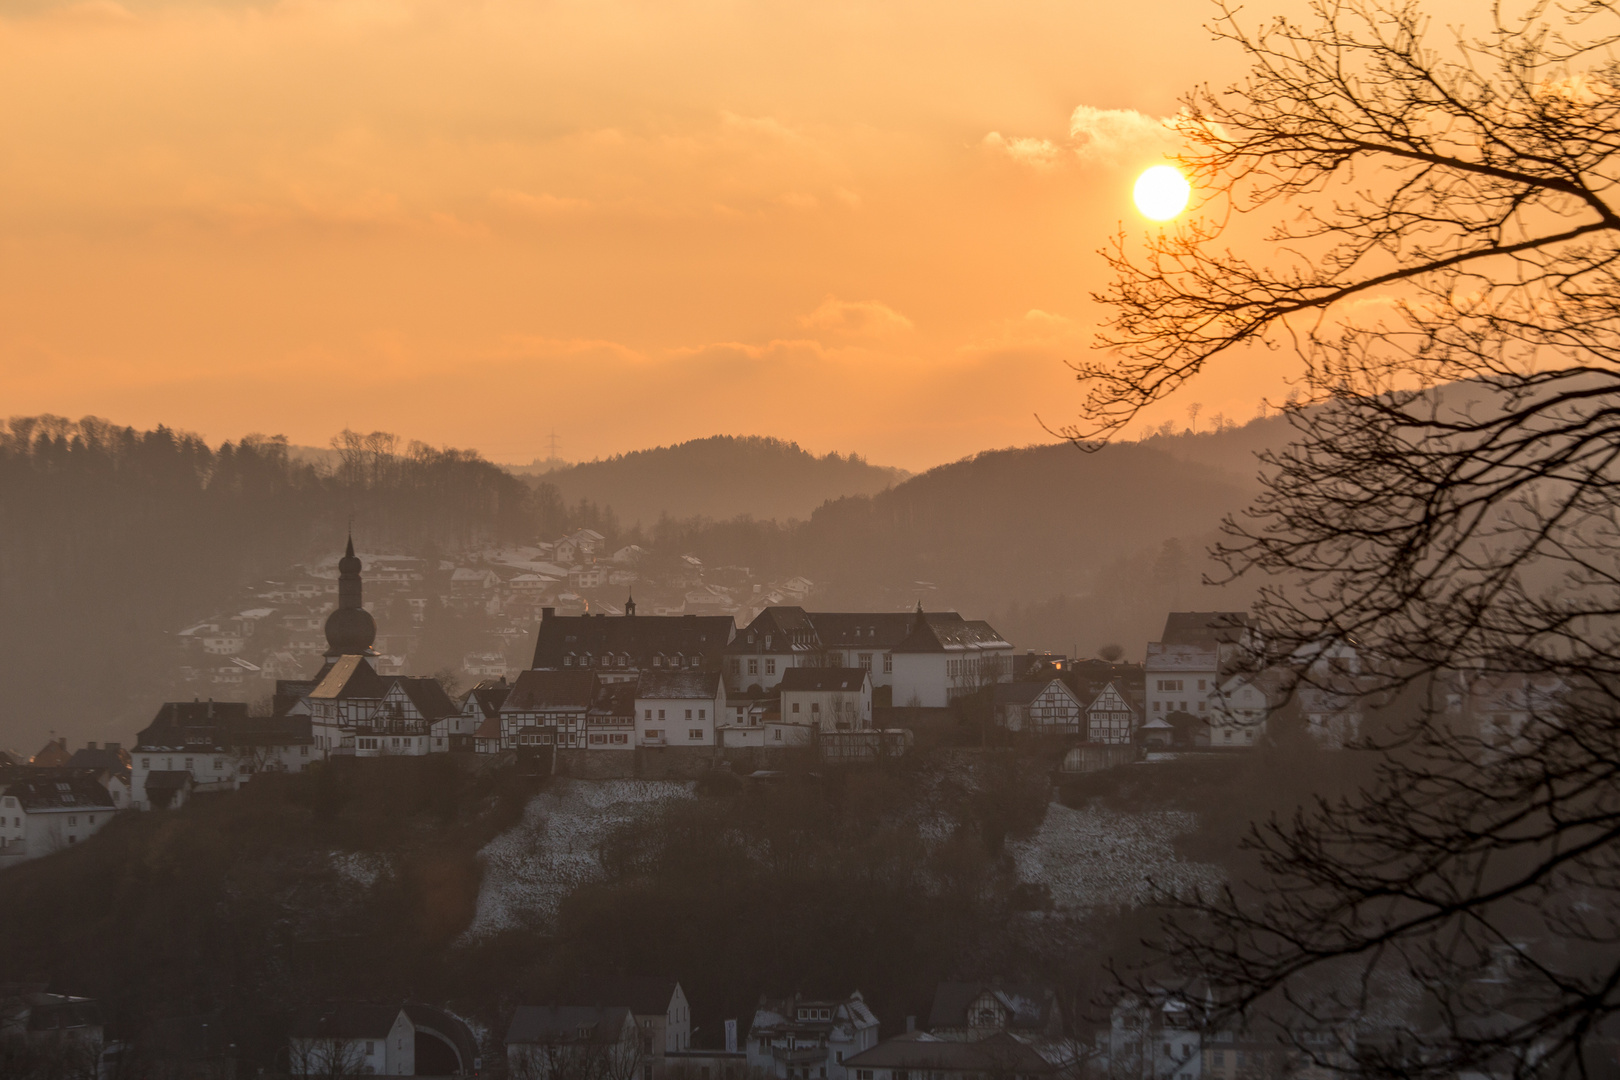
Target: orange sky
864, 226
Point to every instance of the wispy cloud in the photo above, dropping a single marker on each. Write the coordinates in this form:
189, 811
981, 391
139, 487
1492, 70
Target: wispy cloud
855, 318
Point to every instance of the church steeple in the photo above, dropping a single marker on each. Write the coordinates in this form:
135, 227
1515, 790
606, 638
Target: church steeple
630, 605
350, 629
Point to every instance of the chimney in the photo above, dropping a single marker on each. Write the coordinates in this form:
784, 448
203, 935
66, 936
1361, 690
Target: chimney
89, 746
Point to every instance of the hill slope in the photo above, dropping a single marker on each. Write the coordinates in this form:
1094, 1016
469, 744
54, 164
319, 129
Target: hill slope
723, 476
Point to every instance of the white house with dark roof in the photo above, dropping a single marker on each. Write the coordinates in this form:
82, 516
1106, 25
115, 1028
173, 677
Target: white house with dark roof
41, 814
1186, 666
679, 708
802, 1038
554, 1042
827, 699
945, 657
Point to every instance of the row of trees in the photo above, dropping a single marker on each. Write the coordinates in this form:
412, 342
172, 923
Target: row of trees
111, 538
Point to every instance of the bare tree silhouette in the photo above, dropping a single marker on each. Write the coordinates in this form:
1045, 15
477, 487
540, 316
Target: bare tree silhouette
1443, 261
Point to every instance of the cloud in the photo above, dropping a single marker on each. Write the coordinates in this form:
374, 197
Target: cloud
1036, 153
1111, 134
855, 318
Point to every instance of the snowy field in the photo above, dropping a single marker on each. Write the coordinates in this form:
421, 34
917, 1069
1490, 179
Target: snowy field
530, 868
1102, 858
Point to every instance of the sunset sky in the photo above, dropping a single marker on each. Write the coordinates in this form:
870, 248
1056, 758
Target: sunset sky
862, 226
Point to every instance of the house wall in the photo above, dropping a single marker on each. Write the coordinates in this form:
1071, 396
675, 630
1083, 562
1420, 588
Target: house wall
25, 835
919, 679
828, 710
216, 769
669, 718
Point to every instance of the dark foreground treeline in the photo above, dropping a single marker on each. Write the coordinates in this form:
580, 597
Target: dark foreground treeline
112, 538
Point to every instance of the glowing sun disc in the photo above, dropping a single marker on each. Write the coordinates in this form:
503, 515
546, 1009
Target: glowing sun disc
1162, 192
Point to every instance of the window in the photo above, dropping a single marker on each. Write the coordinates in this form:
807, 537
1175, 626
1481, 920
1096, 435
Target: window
866, 661
568, 661
303, 751
753, 667
646, 714
888, 663
688, 716
219, 763
770, 666
703, 714
694, 734
72, 821
1201, 685
736, 667
146, 763
92, 819
1169, 686
655, 734
370, 1048
188, 765
621, 739
778, 734
795, 706
660, 716
815, 706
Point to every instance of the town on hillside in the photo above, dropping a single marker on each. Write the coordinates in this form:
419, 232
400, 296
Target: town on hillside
630, 695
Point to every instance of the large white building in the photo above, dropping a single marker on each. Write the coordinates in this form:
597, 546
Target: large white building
1188, 663
809, 1039
47, 810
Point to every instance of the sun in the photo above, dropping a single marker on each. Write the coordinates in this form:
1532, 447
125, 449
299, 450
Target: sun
1162, 192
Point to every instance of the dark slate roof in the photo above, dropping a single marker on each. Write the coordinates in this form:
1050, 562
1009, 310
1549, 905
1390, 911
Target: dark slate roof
101, 758
1203, 627
824, 678
1031, 1006
54, 753
451, 1027
647, 995
1021, 693
198, 713
58, 791
270, 731
697, 685
878, 630
428, 695
641, 637
346, 1020
552, 1024
550, 690
489, 696
614, 699
350, 677
59, 1012
998, 1055
789, 630
948, 632
167, 780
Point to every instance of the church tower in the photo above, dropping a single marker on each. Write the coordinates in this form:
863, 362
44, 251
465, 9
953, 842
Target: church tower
350, 629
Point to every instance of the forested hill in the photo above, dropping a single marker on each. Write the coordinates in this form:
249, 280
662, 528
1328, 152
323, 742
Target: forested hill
111, 539
720, 477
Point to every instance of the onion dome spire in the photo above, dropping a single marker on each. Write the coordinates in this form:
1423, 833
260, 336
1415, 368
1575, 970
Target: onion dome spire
350, 629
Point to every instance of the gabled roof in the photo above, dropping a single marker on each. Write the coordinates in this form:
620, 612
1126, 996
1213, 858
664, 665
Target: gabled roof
52, 754
558, 1024
824, 678
550, 690
428, 695
489, 729
1118, 691
1022, 693
488, 696
640, 637
58, 791
647, 995
617, 699
167, 780
101, 758
697, 685
1028, 1007
1203, 627
347, 1020
350, 676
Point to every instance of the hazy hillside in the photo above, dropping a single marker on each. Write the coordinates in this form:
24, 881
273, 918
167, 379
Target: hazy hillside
723, 476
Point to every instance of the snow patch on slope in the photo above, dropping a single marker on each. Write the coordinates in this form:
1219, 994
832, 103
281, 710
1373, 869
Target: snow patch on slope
531, 867
1103, 858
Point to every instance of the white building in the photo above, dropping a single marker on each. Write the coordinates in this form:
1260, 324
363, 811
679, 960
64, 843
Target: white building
565, 1041
827, 699
41, 814
809, 1039
679, 708
1187, 665
217, 745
